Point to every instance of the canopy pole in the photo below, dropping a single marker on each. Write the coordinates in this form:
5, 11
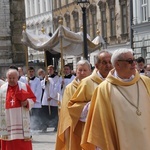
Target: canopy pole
61, 47
62, 62
45, 61
98, 34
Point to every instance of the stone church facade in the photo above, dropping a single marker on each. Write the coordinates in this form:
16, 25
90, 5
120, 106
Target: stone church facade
12, 19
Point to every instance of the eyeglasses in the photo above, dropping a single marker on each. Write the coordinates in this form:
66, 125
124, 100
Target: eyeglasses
130, 61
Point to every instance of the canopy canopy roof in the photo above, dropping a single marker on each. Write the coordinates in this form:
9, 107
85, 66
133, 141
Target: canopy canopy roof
72, 43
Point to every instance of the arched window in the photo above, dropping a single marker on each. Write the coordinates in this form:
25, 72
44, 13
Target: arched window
144, 10
67, 19
93, 10
111, 5
76, 20
112, 22
124, 19
102, 6
123, 8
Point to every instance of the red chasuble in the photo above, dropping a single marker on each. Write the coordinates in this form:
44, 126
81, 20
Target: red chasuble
15, 96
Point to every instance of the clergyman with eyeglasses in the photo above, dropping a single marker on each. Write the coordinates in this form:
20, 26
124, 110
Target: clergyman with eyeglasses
118, 118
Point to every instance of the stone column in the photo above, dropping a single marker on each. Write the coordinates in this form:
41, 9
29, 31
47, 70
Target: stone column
36, 7
31, 8
138, 8
17, 15
134, 11
47, 5
5, 34
41, 6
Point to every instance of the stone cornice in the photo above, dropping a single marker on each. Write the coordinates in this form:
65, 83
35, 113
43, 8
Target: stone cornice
38, 19
142, 27
56, 9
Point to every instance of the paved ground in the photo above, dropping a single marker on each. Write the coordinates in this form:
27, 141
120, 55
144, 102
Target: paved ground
44, 141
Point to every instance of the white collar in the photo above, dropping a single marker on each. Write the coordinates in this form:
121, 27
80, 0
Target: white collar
125, 80
100, 75
78, 80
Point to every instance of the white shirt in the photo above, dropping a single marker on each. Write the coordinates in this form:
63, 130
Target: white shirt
23, 79
36, 88
50, 91
60, 88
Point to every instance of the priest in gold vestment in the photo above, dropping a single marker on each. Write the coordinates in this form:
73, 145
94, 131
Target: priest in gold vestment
65, 138
118, 118
80, 102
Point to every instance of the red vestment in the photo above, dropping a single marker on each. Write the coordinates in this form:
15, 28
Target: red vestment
14, 97
19, 144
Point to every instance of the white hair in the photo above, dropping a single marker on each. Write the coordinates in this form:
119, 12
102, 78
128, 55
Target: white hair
97, 57
40, 70
10, 71
84, 62
118, 54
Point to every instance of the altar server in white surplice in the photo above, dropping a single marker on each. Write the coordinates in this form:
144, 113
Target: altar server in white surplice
22, 77
49, 100
64, 81
35, 85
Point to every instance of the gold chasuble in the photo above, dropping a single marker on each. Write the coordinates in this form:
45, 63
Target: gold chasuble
63, 141
80, 98
119, 115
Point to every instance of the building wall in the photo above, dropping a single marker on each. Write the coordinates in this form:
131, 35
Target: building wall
118, 39
141, 28
39, 20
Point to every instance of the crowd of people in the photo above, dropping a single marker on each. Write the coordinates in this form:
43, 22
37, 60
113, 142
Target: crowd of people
109, 109
29, 102
106, 108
